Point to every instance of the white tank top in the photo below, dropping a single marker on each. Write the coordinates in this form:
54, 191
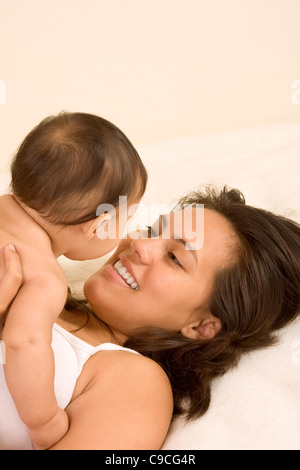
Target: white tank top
71, 353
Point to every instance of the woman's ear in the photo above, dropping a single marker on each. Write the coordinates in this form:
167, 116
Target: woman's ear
89, 228
202, 329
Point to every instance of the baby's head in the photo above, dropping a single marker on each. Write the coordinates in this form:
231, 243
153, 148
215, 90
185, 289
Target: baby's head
71, 164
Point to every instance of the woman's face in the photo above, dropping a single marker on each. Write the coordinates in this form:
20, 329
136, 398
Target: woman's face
172, 281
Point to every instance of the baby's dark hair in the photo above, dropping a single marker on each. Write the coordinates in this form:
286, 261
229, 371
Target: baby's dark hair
71, 163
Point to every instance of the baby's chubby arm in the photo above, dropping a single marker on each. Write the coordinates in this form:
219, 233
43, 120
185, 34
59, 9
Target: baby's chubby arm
29, 367
12, 278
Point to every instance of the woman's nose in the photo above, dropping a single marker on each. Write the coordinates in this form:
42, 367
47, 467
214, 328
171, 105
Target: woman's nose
143, 250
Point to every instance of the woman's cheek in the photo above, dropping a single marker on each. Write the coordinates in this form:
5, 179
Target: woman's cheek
91, 290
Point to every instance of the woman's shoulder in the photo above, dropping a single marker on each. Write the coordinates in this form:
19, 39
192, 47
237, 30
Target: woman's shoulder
126, 398
125, 367
133, 367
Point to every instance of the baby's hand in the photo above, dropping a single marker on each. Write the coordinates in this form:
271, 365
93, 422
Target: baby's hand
12, 279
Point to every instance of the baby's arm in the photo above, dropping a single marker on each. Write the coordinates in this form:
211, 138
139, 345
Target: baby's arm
29, 368
12, 279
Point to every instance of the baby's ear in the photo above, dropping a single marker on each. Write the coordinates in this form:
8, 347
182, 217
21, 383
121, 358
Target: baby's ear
89, 229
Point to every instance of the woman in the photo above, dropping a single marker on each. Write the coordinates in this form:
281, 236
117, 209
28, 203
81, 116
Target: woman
190, 317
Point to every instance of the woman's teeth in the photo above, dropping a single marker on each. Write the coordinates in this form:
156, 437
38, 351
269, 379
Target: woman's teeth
125, 275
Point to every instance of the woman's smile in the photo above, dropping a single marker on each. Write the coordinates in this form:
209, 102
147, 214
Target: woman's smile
125, 270
121, 272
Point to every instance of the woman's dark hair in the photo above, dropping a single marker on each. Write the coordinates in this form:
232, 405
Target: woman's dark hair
72, 163
253, 297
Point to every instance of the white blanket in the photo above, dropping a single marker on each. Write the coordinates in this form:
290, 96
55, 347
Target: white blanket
256, 405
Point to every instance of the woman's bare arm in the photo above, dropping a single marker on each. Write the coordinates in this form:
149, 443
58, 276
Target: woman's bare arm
124, 402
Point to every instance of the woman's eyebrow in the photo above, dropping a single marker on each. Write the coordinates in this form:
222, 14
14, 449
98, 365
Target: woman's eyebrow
187, 245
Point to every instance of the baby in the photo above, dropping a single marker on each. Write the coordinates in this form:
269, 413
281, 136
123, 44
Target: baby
67, 167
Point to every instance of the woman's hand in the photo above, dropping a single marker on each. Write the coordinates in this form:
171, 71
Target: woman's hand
12, 279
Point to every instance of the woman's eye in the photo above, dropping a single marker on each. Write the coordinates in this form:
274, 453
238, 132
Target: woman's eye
174, 259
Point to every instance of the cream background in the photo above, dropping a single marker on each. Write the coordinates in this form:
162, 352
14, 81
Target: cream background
204, 90
158, 69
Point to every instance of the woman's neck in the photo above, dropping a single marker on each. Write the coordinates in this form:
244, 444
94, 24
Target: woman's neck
87, 328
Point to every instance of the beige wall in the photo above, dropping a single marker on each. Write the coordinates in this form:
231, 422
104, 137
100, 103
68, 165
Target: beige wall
158, 69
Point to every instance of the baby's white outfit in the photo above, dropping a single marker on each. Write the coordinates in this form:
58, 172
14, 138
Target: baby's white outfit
71, 353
